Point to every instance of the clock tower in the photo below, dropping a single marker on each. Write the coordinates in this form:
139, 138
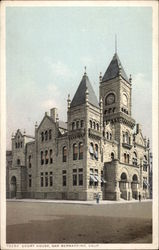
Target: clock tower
115, 91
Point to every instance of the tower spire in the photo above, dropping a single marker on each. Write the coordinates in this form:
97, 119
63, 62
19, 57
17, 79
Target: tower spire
115, 43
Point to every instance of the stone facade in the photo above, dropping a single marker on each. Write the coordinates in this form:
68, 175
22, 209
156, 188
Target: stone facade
97, 151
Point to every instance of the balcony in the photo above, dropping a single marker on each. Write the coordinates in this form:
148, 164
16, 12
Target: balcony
94, 133
126, 145
76, 133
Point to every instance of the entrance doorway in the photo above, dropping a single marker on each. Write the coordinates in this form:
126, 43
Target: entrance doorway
13, 187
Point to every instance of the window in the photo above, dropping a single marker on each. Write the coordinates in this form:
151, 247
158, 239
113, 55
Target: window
145, 163
96, 152
113, 110
51, 179
112, 156
145, 184
94, 125
134, 160
123, 138
96, 177
51, 156
74, 179
21, 144
135, 178
46, 135
42, 136
30, 180
64, 153
80, 150
128, 158
29, 161
73, 125
110, 136
46, 179
50, 134
97, 126
64, 180
18, 162
42, 180
16, 145
91, 150
77, 124
46, 157
90, 123
75, 151
123, 177
42, 158
124, 158
80, 179
82, 123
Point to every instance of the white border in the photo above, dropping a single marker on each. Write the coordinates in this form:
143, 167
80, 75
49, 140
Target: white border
154, 5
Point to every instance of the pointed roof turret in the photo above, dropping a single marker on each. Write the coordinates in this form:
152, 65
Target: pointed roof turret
113, 70
80, 95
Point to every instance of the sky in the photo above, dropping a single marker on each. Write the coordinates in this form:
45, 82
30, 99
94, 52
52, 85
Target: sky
47, 49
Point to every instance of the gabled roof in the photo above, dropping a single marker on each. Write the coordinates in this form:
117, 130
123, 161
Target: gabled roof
80, 95
113, 70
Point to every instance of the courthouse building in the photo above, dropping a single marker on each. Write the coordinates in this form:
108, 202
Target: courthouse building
99, 150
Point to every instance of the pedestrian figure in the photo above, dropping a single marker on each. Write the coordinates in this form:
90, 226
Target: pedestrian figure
97, 198
139, 197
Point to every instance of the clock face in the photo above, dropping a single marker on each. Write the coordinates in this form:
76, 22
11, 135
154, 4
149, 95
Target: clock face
125, 100
110, 99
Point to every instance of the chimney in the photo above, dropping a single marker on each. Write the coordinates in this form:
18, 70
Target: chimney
138, 128
53, 114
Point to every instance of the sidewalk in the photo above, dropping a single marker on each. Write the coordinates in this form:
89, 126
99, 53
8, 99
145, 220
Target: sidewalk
101, 202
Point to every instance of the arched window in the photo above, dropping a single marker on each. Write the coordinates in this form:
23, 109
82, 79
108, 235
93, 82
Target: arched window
16, 144
96, 152
91, 150
94, 125
135, 178
46, 157
46, 135
112, 156
123, 177
80, 150
18, 162
42, 158
128, 158
75, 151
110, 136
73, 125
64, 150
90, 123
77, 124
50, 134
82, 123
97, 126
134, 160
42, 136
113, 110
124, 158
51, 156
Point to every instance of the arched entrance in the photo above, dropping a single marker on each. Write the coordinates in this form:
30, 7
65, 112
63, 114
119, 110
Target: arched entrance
134, 187
13, 187
123, 186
